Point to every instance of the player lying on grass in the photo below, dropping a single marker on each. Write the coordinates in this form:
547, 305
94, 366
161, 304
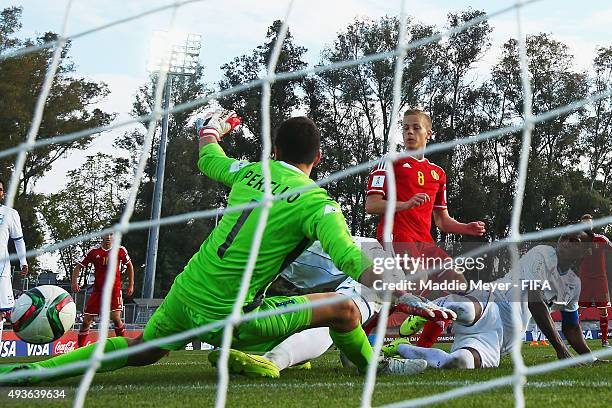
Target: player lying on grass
316, 267
205, 291
484, 329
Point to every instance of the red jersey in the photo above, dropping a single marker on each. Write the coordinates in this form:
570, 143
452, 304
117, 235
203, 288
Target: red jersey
412, 176
593, 274
98, 256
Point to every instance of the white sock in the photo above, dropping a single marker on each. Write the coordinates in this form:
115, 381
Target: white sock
1, 328
303, 346
437, 358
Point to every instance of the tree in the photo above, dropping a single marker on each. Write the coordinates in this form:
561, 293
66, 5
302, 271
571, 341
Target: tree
554, 152
284, 100
352, 106
69, 108
91, 201
597, 125
452, 98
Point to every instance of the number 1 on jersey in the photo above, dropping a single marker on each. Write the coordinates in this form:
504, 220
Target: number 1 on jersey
235, 230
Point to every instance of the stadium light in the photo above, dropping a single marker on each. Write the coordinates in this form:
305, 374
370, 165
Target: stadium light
178, 55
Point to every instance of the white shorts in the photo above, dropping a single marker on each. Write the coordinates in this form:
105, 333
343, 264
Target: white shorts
7, 302
365, 298
484, 336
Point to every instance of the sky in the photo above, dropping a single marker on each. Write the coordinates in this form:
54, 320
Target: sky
118, 55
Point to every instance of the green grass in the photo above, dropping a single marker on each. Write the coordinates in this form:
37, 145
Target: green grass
185, 379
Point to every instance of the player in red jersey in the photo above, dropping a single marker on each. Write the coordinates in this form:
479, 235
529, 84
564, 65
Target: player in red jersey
421, 192
99, 257
594, 279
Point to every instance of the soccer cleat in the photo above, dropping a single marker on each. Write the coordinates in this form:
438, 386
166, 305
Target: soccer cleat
390, 349
250, 365
605, 343
544, 343
534, 343
346, 363
302, 366
412, 325
10, 368
401, 366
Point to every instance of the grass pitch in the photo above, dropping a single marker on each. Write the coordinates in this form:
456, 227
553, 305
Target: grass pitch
185, 379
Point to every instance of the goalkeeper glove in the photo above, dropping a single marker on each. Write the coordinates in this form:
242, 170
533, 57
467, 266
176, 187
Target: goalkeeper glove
419, 306
217, 124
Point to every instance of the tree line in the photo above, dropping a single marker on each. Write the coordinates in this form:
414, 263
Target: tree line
570, 163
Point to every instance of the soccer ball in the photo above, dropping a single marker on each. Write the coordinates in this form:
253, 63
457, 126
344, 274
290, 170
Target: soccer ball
43, 314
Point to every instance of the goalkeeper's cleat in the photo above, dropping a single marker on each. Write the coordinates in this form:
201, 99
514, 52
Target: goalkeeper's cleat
390, 349
604, 343
250, 365
11, 368
544, 343
217, 124
412, 325
346, 363
419, 306
306, 365
401, 366
534, 343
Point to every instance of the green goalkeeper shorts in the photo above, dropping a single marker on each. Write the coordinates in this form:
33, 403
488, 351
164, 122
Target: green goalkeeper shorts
258, 335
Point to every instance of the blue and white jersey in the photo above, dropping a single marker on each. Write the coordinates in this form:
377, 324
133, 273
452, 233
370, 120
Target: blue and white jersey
560, 289
10, 227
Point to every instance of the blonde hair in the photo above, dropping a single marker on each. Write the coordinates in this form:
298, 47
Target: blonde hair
421, 113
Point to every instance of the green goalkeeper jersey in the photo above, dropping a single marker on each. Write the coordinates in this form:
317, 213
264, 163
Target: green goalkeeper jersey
211, 280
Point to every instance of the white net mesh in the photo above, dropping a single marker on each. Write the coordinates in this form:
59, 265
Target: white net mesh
520, 370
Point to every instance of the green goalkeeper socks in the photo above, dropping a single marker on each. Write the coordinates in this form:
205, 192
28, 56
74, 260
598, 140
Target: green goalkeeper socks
355, 345
85, 353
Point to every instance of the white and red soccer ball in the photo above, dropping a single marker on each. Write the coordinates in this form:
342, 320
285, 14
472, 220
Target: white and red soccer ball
43, 314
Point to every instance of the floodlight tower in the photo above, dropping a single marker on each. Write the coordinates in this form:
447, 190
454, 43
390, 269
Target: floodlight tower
178, 56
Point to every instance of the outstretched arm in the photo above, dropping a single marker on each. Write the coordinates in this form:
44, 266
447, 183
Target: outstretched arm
448, 224
212, 160
541, 316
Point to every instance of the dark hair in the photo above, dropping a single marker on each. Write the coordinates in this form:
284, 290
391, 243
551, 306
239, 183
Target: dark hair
298, 140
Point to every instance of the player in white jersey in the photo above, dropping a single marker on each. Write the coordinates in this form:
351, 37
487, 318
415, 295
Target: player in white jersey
10, 227
484, 327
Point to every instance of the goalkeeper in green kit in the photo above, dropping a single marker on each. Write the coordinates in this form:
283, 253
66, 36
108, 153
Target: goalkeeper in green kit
208, 286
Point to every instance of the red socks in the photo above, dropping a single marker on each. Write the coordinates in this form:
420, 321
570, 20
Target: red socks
82, 339
603, 327
431, 331
120, 331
